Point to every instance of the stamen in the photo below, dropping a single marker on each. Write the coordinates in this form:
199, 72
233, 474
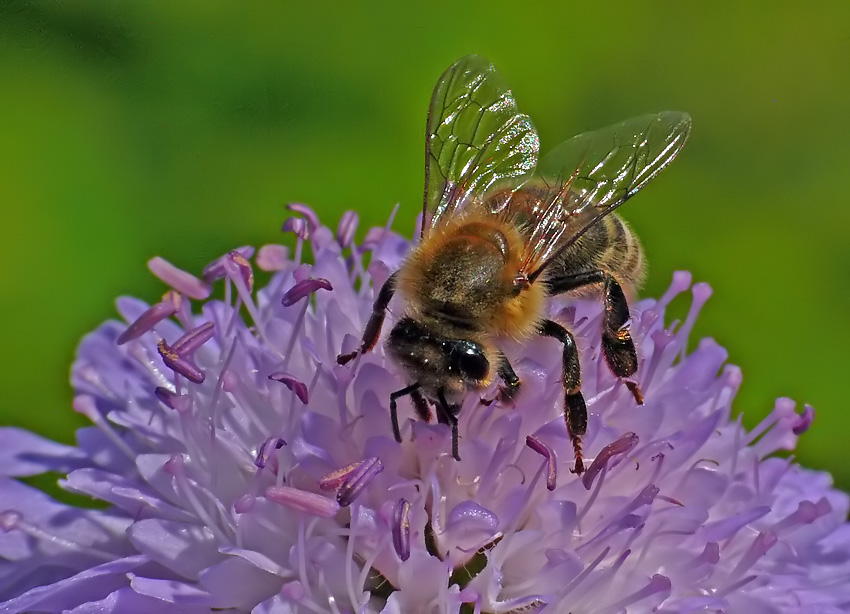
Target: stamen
85, 405
244, 504
180, 403
657, 584
217, 269
334, 479
304, 288
265, 452
401, 529
292, 383
308, 213
11, 520
346, 229
302, 501
151, 317
185, 283
272, 258
806, 513
623, 445
298, 226
805, 420
179, 357
549, 454
763, 542
176, 466
358, 480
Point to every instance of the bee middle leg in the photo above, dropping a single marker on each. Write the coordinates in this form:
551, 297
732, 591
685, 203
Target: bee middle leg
575, 409
618, 348
375, 323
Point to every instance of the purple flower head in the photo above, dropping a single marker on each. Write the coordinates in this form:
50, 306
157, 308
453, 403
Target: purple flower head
244, 470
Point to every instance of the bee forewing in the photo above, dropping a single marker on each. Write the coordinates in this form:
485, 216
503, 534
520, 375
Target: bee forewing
590, 175
475, 137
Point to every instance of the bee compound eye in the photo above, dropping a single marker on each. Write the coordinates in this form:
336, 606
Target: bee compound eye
472, 362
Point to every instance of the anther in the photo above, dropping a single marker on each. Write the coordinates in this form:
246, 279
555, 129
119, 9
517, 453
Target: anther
623, 445
154, 314
401, 529
346, 229
302, 501
549, 454
267, 448
295, 385
358, 480
179, 356
304, 288
185, 283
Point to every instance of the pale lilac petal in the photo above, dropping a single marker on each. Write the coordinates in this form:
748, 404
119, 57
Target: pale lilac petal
266, 478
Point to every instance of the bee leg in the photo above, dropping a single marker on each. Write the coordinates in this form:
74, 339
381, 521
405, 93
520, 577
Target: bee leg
412, 390
376, 321
447, 414
512, 383
617, 344
575, 409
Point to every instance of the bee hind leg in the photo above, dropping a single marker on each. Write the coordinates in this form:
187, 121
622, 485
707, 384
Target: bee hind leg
575, 409
618, 348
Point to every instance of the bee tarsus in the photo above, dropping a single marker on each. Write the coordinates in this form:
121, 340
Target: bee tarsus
375, 323
575, 409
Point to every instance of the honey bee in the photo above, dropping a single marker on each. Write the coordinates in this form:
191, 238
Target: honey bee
501, 233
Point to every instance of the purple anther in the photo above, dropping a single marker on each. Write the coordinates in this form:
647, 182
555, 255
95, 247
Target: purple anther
244, 504
272, 257
307, 212
334, 479
152, 316
295, 385
358, 480
804, 421
218, 267
174, 465
346, 229
267, 448
178, 402
178, 357
623, 445
401, 529
549, 454
304, 288
195, 338
185, 283
302, 501
373, 238
297, 225
9, 519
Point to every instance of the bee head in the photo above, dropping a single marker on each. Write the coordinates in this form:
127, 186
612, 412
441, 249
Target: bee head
437, 362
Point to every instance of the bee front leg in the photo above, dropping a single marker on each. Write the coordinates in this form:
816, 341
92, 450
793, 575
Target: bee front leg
511, 382
575, 409
413, 391
376, 321
447, 414
618, 348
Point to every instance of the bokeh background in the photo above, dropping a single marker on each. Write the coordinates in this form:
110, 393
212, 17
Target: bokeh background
134, 129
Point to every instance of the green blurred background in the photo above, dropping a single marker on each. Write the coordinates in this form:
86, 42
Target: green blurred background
134, 129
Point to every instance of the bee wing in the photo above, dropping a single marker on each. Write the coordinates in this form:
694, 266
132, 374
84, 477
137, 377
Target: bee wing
475, 137
588, 176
